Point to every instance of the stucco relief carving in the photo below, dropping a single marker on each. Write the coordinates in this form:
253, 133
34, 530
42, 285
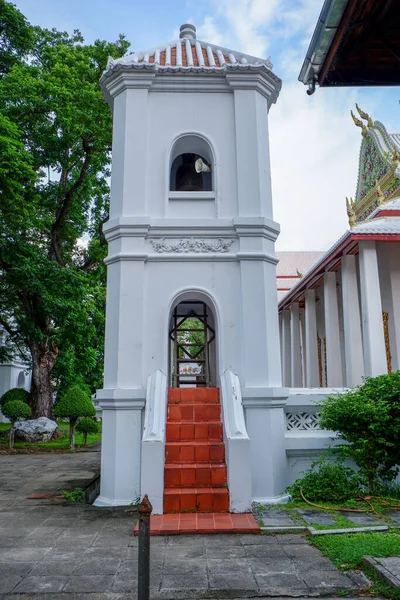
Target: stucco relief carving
191, 245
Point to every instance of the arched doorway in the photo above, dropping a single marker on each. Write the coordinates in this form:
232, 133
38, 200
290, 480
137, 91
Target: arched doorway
192, 345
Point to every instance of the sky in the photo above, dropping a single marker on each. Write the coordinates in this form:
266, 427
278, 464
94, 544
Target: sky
314, 143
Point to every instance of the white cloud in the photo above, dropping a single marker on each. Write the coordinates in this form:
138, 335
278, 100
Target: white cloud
314, 163
314, 144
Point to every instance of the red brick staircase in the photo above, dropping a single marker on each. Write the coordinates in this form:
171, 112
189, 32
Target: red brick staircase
196, 495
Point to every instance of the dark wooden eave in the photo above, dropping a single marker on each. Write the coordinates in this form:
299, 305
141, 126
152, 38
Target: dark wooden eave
363, 47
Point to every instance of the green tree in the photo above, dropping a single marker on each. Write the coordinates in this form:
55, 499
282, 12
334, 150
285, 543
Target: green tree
55, 193
16, 37
367, 417
86, 426
15, 410
75, 403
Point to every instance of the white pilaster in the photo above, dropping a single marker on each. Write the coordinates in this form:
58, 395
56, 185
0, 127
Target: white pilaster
129, 174
332, 332
371, 310
312, 377
352, 322
286, 348
303, 346
295, 348
252, 151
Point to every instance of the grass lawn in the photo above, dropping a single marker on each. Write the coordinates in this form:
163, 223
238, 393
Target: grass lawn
346, 551
57, 444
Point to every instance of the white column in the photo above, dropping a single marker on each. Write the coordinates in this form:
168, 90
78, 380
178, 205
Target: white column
312, 377
303, 347
371, 310
295, 348
286, 348
332, 332
352, 322
394, 322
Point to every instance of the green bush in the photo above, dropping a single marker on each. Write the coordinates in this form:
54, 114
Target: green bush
368, 418
14, 394
86, 426
73, 404
326, 481
15, 410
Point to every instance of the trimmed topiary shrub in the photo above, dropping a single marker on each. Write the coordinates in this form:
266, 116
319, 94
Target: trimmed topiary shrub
15, 410
14, 394
75, 403
86, 426
326, 481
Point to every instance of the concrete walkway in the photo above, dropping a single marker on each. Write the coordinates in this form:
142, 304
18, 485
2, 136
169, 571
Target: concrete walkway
50, 549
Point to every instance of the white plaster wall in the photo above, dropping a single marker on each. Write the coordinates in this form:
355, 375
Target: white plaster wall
389, 279
210, 115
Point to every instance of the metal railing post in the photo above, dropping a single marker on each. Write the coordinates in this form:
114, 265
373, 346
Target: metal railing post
144, 509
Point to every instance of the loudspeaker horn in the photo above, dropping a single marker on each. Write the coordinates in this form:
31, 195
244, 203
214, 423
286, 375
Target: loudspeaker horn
201, 166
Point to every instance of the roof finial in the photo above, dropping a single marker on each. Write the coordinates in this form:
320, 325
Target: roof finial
359, 123
187, 31
351, 213
365, 116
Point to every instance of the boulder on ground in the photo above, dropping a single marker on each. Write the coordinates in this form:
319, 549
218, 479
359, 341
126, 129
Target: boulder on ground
35, 430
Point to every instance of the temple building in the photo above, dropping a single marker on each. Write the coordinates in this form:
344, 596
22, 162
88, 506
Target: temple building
341, 321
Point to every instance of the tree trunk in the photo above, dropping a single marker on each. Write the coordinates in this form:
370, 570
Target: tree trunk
72, 425
43, 361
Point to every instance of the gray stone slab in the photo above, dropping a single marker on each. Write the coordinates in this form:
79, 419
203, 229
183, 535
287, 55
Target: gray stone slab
30, 585
394, 515
332, 580
22, 554
9, 582
290, 538
266, 551
184, 581
309, 563
225, 552
261, 566
98, 566
232, 581
89, 583
361, 518
316, 517
388, 568
224, 566
280, 580
55, 567
301, 550
15, 568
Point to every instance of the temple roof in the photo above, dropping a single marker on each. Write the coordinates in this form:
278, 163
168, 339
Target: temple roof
190, 53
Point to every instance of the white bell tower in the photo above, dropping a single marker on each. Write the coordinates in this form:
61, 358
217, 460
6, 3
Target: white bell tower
185, 236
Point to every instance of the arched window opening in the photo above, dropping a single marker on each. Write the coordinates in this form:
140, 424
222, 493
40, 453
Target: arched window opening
190, 173
191, 165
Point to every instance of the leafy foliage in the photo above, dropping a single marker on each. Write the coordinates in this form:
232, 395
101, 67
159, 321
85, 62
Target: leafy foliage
15, 410
15, 36
87, 426
75, 496
326, 481
73, 404
368, 418
55, 152
18, 394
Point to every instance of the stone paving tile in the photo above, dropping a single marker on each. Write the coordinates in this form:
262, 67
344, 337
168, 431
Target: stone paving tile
261, 566
333, 580
9, 582
232, 581
269, 550
98, 566
300, 550
315, 516
41, 583
290, 538
22, 554
280, 580
89, 583
361, 518
55, 567
273, 517
394, 515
